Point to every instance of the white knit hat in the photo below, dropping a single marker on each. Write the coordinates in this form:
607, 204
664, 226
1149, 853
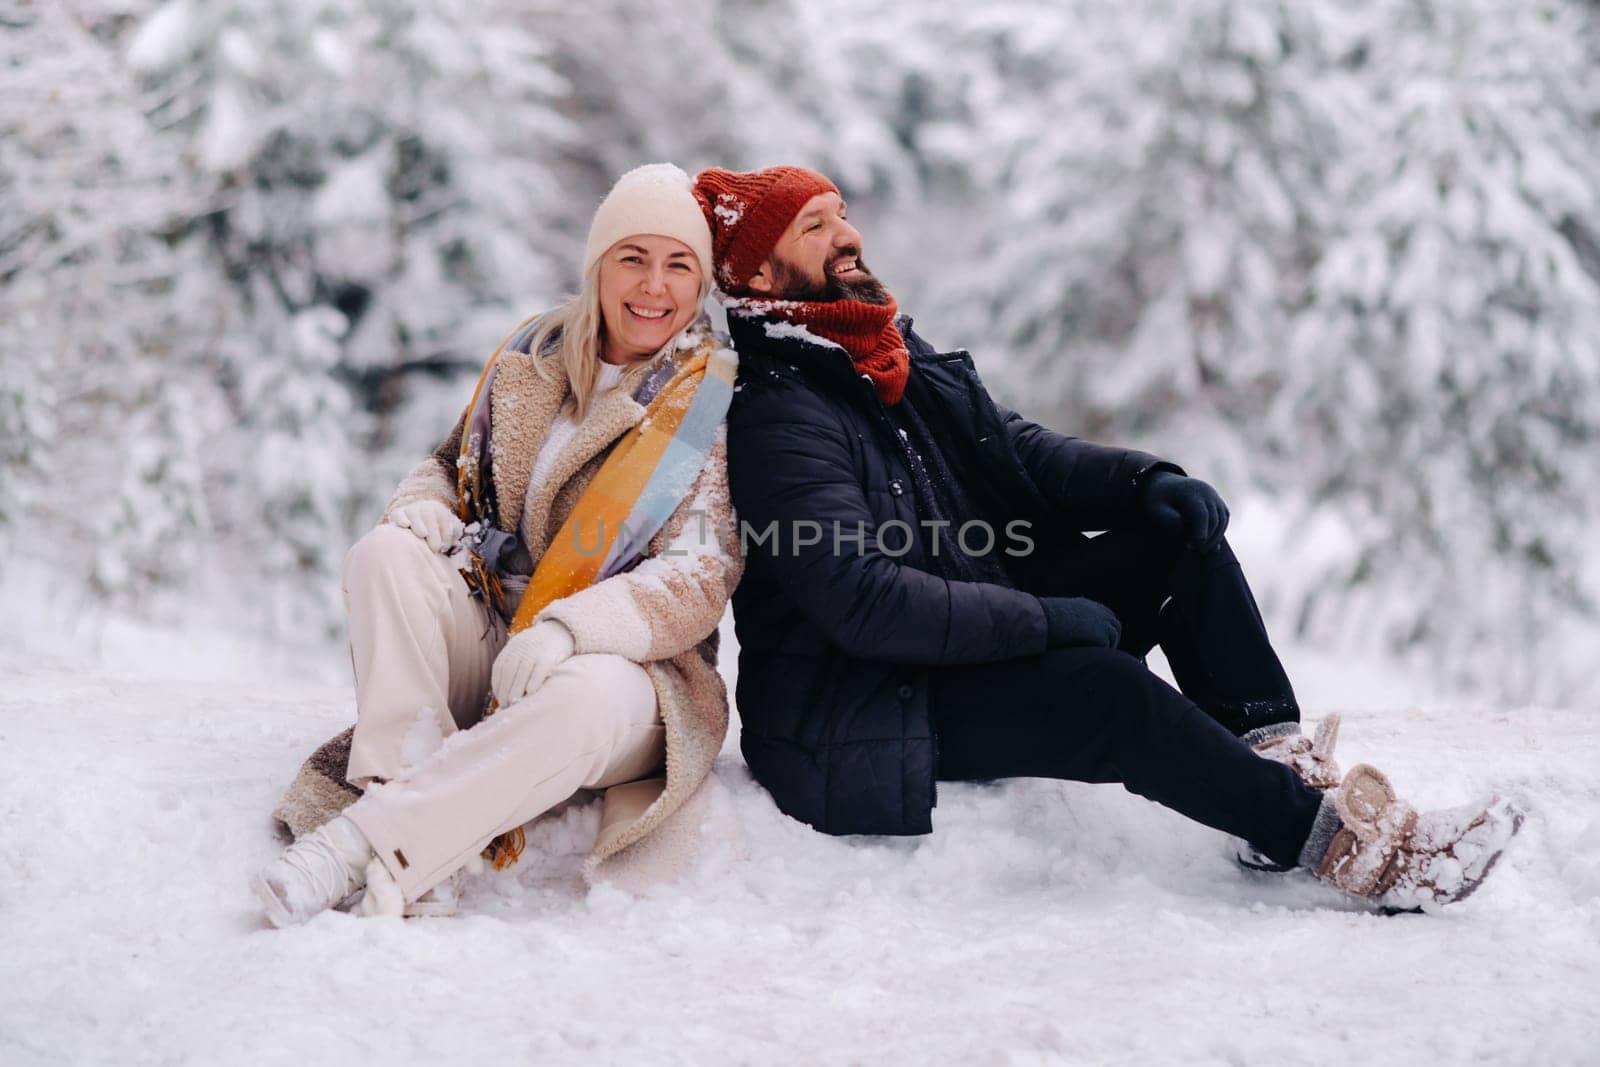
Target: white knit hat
656, 198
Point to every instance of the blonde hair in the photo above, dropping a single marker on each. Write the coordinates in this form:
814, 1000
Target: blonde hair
574, 333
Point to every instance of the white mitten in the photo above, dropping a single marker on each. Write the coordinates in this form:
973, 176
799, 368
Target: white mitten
431, 521
528, 659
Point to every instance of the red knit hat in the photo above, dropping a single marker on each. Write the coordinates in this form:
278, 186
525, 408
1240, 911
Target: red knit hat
748, 212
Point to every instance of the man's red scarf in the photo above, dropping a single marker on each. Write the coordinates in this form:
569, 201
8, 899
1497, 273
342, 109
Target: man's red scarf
866, 331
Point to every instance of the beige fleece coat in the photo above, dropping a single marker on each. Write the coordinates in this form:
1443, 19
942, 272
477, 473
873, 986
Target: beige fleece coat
662, 614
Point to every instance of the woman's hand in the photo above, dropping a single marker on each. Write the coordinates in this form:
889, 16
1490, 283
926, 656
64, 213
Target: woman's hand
528, 659
431, 521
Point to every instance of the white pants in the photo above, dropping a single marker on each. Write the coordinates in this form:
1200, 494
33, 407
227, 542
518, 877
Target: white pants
422, 648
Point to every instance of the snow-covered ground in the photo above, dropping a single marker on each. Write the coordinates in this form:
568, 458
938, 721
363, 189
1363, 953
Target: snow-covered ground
1043, 922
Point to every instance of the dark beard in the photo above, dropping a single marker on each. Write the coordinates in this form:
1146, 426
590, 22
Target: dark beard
788, 283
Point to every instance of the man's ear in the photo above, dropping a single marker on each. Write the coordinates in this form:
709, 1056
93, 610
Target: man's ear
761, 280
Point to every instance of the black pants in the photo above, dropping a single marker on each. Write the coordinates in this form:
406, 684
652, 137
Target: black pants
1198, 608
1099, 715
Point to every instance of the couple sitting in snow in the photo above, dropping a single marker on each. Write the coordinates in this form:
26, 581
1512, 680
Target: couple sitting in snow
915, 596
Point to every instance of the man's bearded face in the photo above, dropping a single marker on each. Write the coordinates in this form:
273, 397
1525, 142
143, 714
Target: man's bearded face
818, 258
792, 282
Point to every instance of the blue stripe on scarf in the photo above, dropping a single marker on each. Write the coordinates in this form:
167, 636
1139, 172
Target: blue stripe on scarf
679, 465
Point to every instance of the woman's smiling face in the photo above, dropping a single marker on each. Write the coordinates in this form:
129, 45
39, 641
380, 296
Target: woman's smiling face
649, 290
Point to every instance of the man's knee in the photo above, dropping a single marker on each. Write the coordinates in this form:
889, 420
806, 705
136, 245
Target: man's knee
1219, 555
1094, 665
1112, 683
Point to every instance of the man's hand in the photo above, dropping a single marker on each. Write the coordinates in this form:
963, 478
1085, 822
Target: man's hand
431, 521
1078, 622
1185, 508
528, 658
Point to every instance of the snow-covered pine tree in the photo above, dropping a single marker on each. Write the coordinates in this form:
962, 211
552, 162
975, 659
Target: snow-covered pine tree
1150, 202
1443, 388
26, 410
379, 197
94, 351
727, 83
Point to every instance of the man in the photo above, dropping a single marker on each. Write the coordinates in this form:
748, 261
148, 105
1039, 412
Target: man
921, 602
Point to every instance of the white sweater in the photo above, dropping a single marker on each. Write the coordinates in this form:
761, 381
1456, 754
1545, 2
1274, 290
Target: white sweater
564, 426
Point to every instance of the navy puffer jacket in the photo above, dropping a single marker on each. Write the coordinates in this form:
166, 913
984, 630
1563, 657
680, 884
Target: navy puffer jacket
836, 639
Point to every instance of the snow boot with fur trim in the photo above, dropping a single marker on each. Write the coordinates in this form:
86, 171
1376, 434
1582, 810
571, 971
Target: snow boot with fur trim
383, 896
1310, 758
1384, 851
315, 873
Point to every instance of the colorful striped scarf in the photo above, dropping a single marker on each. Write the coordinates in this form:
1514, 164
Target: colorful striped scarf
641, 483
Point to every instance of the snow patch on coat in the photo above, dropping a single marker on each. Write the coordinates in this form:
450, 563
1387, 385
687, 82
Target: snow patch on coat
795, 330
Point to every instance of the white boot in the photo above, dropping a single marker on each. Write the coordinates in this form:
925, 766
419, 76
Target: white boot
383, 896
443, 900
315, 873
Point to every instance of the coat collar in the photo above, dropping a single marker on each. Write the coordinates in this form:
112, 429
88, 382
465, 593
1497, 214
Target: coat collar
816, 362
524, 405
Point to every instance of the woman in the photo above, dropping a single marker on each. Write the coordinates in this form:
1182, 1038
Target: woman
537, 612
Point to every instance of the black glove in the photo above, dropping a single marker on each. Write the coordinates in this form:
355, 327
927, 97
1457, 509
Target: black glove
1185, 508
1077, 621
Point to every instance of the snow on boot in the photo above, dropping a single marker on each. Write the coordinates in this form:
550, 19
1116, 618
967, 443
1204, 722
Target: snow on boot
315, 873
1451, 852
1310, 758
1386, 852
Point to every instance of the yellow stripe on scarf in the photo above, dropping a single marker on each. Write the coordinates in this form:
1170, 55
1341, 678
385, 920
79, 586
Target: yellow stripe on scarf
576, 553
